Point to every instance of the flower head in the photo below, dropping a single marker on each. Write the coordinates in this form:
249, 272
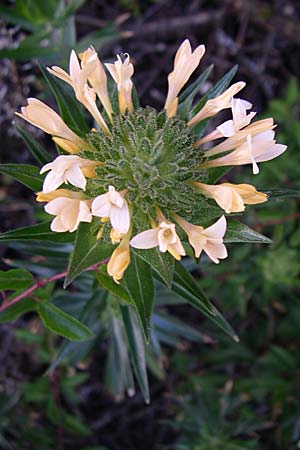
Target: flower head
67, 169
209, 240
164, 236
113, 205
185, 64
232, 197
122, 71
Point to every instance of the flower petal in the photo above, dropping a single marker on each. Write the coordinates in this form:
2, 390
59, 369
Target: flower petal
120, 218
145, 239
101, 206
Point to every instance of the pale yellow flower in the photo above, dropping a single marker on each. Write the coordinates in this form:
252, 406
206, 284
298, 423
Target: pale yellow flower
67, 169
164, 236
185, 64
47, 197
119, 261
69, 212
262, 147
240, 119
78, 80
122, 73
96, 76
40, 115
115, 236
240, 137
232, 197
214, 105
113, 205
209, 240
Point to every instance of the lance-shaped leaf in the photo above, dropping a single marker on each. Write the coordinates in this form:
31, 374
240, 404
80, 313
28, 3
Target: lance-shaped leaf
139, 285
162, 263
281, 193
25, 174
87, 251
39, 232
62, 323
238, 232
108, 283
137, 349
15, 279
37, 150
15, 310
186, 287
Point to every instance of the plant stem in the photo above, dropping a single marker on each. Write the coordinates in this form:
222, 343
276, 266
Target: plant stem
43, 282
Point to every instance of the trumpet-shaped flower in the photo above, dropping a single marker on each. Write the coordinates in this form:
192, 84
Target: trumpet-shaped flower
69, 213
96, 76
113, 205
164, 236
185, 64
214, 105
232, 197
67, 169
240, 119
262, 147
119, 261
122, 73
40, 115
209, 240
78, 80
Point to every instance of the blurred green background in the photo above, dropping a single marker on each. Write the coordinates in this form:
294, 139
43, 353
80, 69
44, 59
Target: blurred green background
207, 392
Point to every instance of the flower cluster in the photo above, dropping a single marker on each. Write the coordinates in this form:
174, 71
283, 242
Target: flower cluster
142, 174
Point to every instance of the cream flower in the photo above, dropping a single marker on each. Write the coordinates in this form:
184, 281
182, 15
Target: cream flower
67, 169
240, 137
262, 147
96, 76
78, 80
185, 64
119, 261
48, 196
240, 119
69, 213
40, 115
214, 105
209, 240
113, 205
232, 197
164, 236
122, 73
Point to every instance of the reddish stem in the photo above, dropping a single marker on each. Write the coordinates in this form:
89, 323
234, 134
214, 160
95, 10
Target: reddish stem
43, 282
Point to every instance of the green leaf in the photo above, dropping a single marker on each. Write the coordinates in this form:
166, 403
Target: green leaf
62, 323
39, 232
67, 104
238, 232
137, 349
15, 279
281, 193
185, 286
162, 263
108, 283
25, 174
87, 251
37, 150
14, 311
139, 284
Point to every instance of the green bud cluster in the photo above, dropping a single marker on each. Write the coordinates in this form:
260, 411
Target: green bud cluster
152, 156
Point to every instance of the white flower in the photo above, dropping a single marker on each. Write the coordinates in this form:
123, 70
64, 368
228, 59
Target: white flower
78, 80
122, 73
185, 64
39, 114
262, 147
164, 236
69, 213
214, 105
232, 197
113, 205
209, 240
67, 169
